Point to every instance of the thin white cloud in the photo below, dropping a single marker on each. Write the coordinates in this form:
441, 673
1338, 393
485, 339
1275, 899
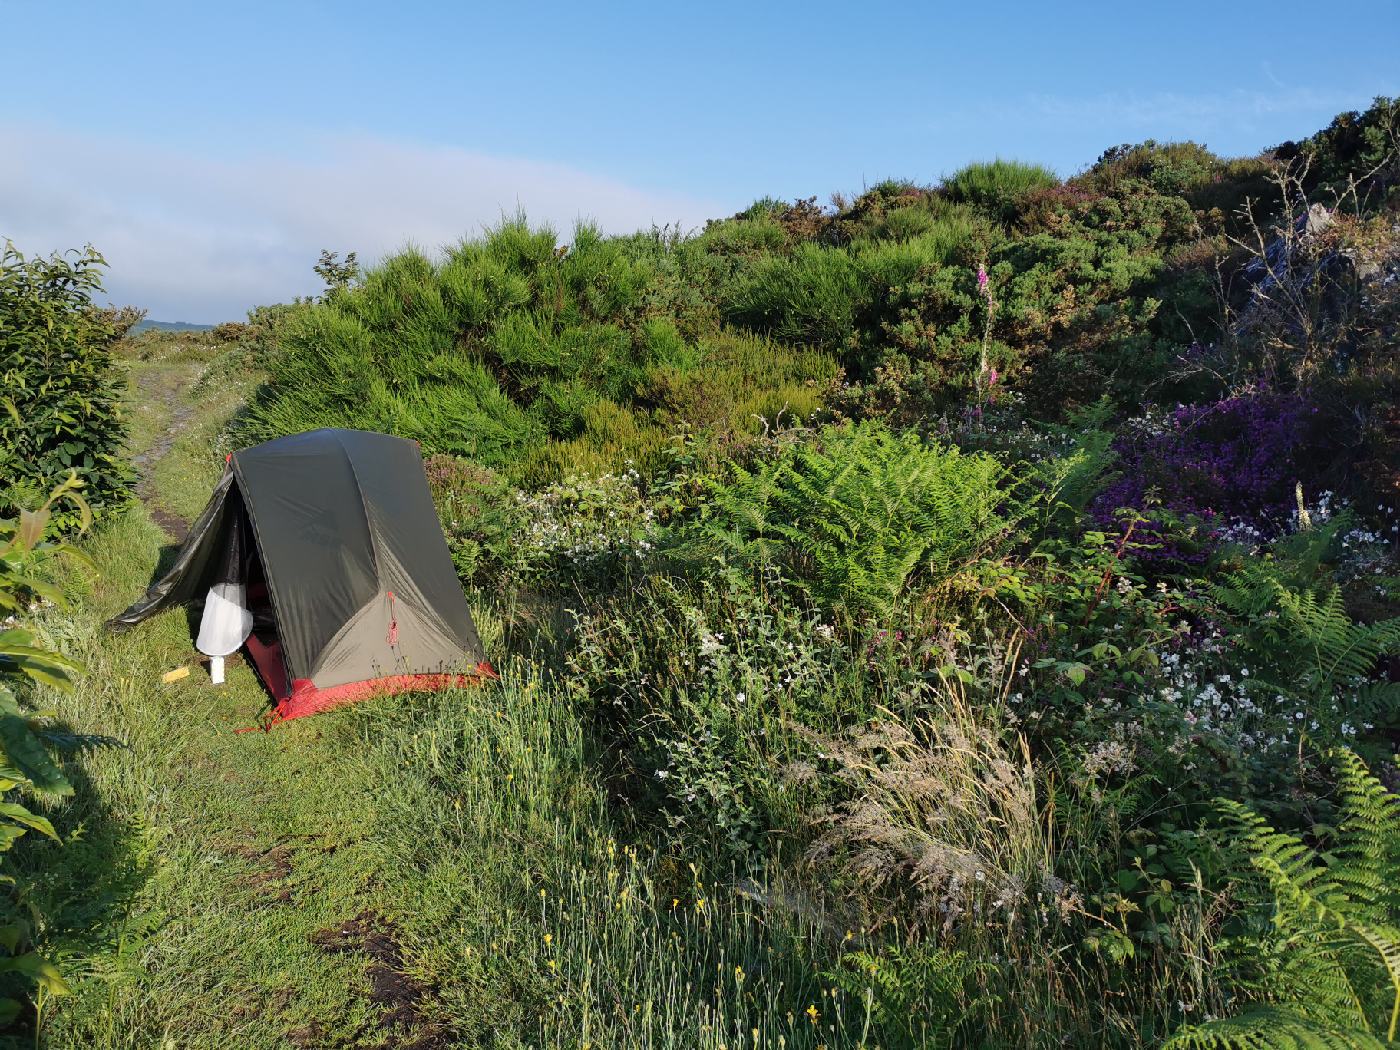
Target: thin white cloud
1172, 109
198, 238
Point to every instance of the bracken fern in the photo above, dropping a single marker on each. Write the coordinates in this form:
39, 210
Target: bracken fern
1332, 977
858, 513
1311, 648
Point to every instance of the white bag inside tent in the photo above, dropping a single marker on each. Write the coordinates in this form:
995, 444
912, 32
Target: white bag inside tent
225, 627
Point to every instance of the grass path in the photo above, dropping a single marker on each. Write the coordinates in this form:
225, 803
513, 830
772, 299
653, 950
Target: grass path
239, 849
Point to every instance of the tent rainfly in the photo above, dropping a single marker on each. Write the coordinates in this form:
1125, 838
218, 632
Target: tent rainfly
322, 554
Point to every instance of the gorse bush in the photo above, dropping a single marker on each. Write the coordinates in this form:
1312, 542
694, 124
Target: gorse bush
1355, 147
514, 352
997, 187
59, 389
812, 297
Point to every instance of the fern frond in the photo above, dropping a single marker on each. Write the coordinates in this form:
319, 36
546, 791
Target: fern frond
1270, 1028
1341, 946
861, 514
1368, 848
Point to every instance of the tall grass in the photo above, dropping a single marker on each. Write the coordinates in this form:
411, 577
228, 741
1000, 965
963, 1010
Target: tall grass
571, 936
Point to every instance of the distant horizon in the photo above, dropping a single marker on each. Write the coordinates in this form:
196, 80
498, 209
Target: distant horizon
147, 323
211, 177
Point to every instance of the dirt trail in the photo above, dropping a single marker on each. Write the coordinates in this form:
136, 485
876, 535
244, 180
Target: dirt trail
155, 387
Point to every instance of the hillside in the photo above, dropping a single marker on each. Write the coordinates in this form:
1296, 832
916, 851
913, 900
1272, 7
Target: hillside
958, 615
147, 325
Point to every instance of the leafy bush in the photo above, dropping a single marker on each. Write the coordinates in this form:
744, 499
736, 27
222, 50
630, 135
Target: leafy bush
60, 408
28, 766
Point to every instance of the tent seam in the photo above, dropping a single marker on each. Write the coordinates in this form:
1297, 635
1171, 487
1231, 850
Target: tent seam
262, 557
374, 540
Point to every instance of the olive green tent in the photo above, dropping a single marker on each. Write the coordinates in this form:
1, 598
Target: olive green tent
334, 538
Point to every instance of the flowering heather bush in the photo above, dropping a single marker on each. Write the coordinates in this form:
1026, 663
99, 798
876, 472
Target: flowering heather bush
1201, 471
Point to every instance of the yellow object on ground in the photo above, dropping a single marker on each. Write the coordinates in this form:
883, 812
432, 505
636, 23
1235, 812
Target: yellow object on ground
175, 675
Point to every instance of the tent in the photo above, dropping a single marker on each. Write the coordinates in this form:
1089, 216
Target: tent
332, 541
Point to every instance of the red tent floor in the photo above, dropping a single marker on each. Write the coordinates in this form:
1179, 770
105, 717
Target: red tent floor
302, 698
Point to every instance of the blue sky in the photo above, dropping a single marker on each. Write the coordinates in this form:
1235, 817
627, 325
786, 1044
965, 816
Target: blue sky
211, 151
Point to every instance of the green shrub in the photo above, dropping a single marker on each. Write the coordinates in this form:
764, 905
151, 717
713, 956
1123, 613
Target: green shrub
1076, 299
858, 515
28, 768
698, 682
812, 298
60, 392
1169, 167
481, 517
997, 187
1360, 147
523, 356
